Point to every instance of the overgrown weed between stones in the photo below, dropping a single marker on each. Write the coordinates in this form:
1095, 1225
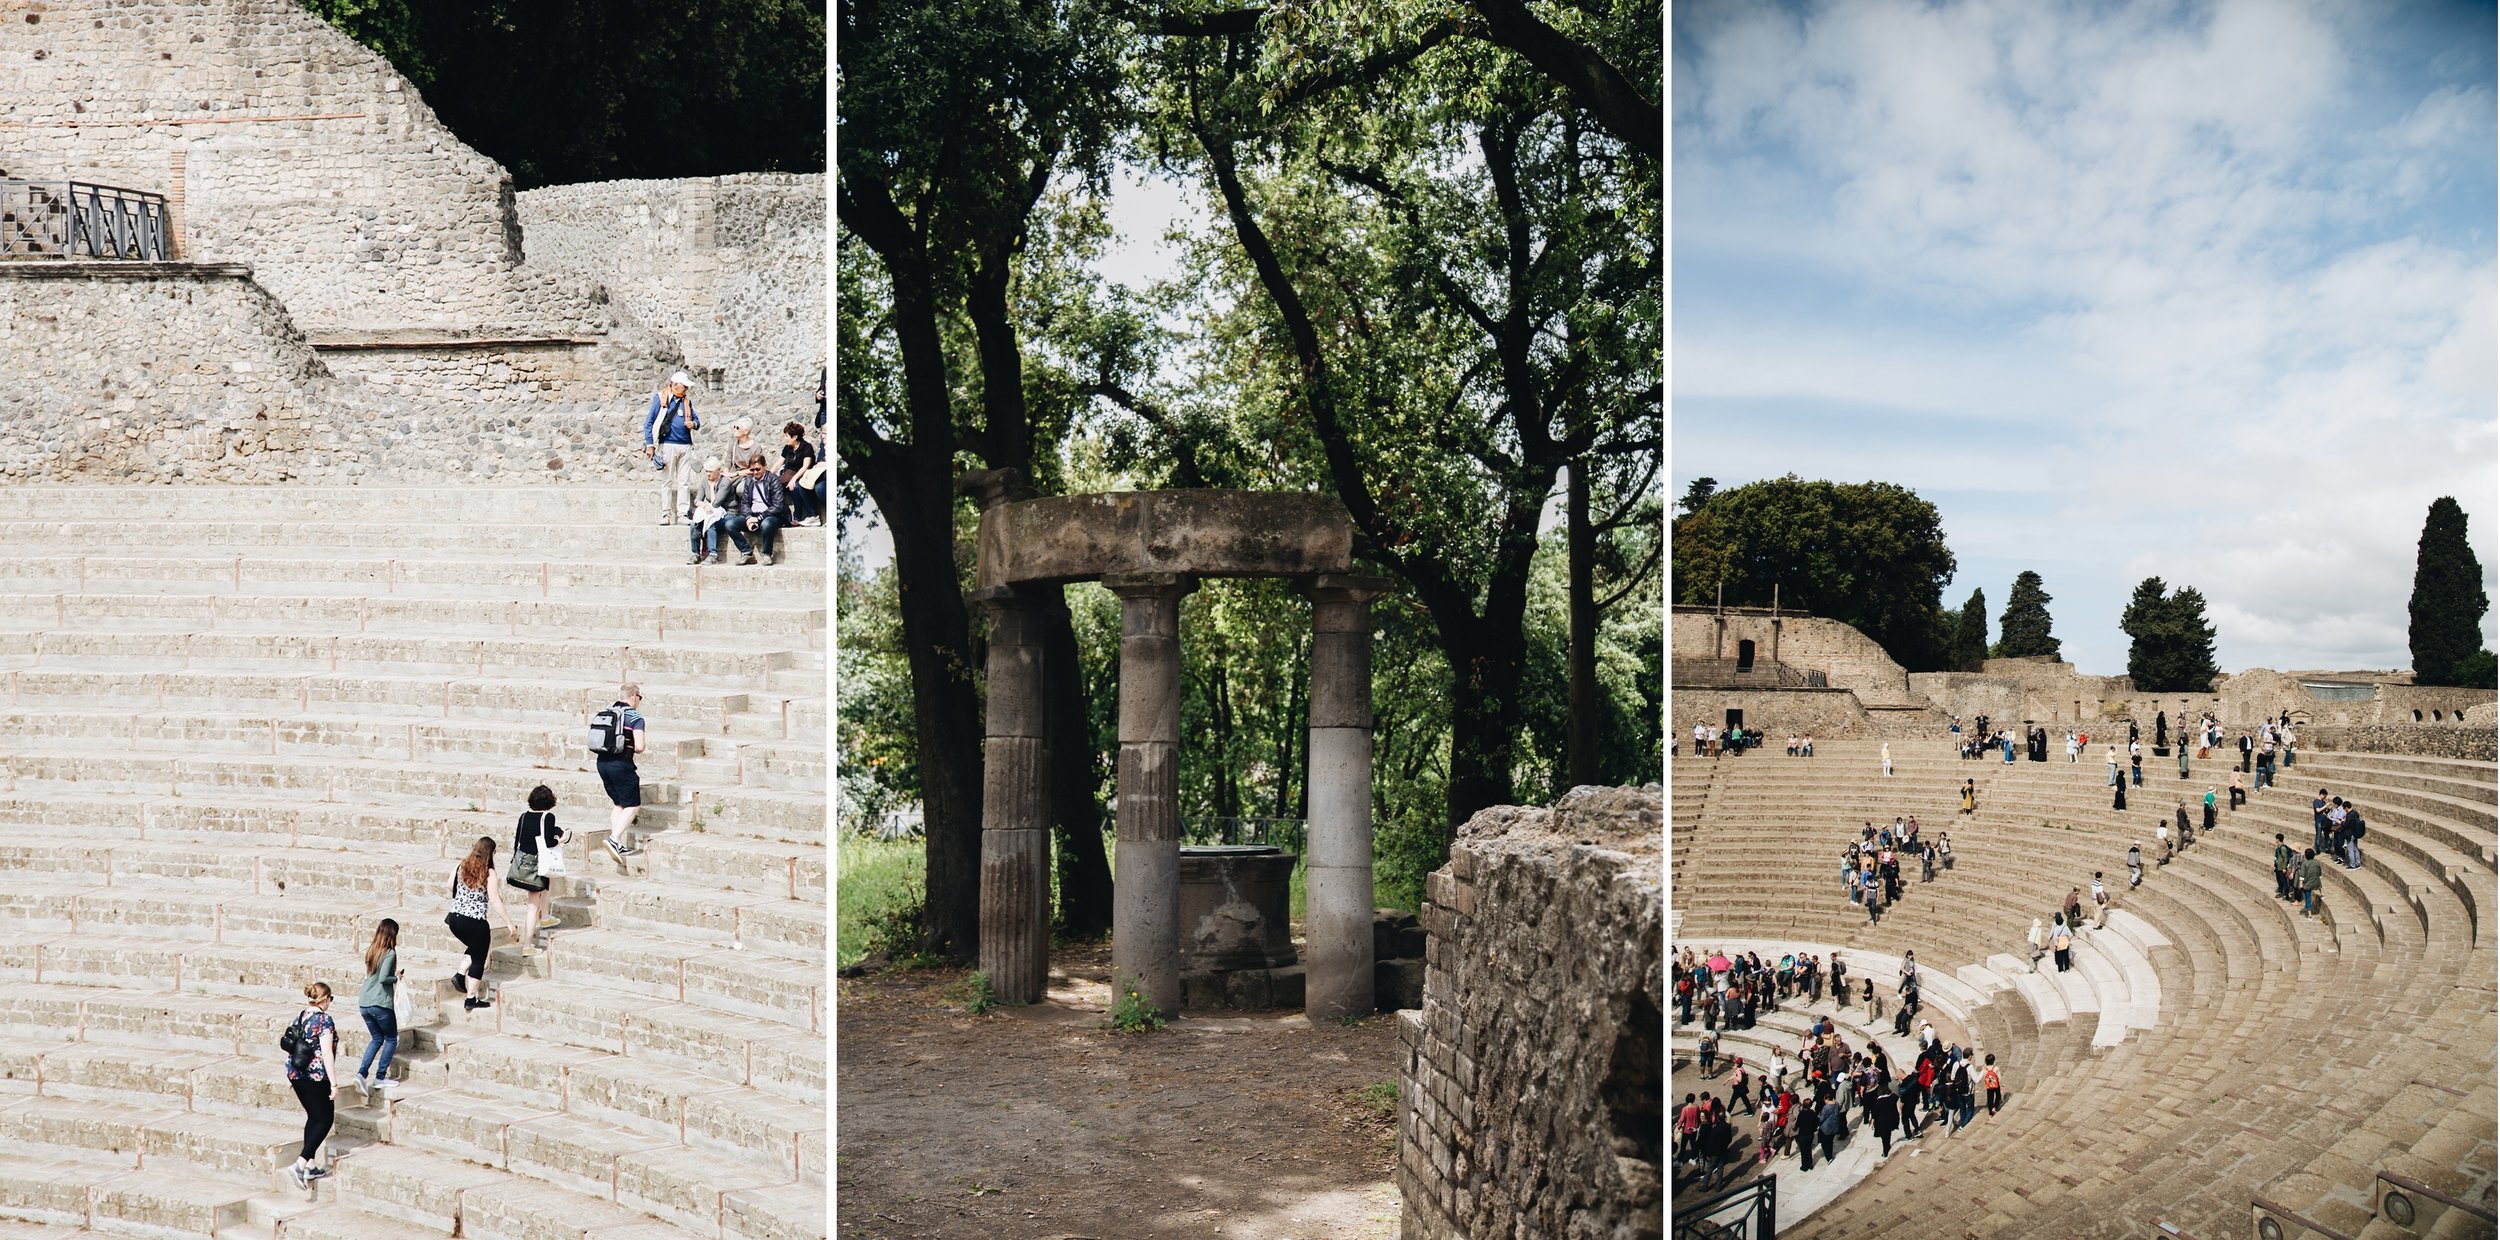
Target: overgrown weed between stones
1133, 1012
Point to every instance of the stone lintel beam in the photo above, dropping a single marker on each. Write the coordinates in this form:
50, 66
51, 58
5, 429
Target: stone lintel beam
1338, 864
1210, 533
1015, 803
1146, 898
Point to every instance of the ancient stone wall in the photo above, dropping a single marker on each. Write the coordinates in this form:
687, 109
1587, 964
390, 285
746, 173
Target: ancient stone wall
292, 149
733, 267
2049, 692
163, 372
2470, 742
1818, 713
1847, 658
1531, 1100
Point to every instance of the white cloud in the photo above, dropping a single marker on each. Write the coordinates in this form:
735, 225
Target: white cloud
2206, 284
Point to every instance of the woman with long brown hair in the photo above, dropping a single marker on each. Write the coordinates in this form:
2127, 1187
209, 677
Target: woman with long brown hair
382, 974
473, 893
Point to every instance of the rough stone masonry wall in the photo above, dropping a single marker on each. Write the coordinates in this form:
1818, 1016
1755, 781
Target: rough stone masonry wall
167, 372
1531, 1102
1847, 658
733, 267
291, 148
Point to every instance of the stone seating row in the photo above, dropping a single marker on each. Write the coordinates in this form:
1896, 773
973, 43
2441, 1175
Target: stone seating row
2258, 866
729, 665
366, 536
702, 627
754, 811
559, 699
312, 852
571, 504
589, 578
404, 735
2389, 884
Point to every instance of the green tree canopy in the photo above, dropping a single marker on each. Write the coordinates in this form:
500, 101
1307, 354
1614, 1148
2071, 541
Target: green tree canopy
559, 91
1970, 634
2023, 631
1869, 554
2448, 600
2173, 650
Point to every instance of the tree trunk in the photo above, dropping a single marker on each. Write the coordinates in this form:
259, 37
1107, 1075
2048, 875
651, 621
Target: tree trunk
947, 716
1076, 785
1583, 734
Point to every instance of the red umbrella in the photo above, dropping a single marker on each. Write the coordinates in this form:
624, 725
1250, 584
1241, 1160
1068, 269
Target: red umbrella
1718, 963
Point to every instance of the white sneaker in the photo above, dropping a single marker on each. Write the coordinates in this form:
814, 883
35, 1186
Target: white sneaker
386, 1087
550, 922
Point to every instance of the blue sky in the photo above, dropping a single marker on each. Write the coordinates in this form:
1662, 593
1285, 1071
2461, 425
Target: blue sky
2202, 291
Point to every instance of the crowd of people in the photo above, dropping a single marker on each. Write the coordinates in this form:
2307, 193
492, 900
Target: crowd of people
1871, 864
1806, 1106
474, 904
747, 499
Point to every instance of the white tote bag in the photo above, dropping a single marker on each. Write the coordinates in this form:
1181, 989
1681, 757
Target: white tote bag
403, 1004
550, 855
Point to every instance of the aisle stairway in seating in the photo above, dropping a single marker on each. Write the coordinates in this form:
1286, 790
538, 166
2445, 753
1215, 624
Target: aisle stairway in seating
2265, 1055
238, 726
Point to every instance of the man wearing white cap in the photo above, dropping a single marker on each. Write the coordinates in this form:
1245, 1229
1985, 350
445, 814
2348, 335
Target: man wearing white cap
668, 442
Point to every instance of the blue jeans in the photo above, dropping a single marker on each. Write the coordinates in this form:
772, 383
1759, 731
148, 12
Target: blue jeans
2309, 900
383, 1024
703, 538
765, 532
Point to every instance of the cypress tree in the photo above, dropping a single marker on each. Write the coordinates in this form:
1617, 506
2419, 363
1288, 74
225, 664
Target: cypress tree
2448, 600
2173, 651
1970, 634
2024, 628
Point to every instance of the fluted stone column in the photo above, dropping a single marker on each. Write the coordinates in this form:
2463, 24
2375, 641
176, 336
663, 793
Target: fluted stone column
1338, 855
1015, 805
1146, 886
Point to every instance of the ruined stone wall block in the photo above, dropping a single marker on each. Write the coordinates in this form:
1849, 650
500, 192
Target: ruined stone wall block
1557, 964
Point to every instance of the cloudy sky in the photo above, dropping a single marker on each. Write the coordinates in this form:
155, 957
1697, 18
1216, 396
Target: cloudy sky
2202, 291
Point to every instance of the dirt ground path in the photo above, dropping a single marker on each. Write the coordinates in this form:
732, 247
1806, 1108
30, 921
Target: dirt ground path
1038, 1124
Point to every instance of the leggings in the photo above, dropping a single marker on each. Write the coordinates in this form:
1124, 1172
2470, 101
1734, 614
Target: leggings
475, 935
319, 1110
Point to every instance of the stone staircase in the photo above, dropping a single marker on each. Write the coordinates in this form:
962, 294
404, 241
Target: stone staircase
241, 725
2213, 1049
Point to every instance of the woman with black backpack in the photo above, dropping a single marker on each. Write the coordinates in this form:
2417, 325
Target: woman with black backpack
309, 1044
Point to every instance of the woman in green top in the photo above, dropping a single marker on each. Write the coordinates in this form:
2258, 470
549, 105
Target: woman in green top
382, 974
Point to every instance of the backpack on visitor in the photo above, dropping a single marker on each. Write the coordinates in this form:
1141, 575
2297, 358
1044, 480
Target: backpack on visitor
608, 732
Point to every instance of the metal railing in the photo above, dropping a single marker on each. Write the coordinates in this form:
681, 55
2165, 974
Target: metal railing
78, 219
1748, 1213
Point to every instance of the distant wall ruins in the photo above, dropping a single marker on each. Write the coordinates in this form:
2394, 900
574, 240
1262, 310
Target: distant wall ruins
733, 267
352, 284
1531, 1099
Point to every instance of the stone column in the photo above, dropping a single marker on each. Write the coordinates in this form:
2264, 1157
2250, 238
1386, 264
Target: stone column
1146, 883
1338, 854
1015, 804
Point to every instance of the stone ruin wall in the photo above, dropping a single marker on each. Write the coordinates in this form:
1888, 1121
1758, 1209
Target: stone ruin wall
733, 267
1819, 713
1847, 658
354, 301
149, 372
290, 148
1531, 1098
2049, 692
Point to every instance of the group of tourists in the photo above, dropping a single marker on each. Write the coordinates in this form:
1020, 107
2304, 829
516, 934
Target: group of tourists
1870, 865
475, 903
1711, 741
1730, 992
747, 499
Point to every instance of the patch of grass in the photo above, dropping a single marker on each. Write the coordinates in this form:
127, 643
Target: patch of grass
1133, 1012
878, 887
975, 994
1380, 1099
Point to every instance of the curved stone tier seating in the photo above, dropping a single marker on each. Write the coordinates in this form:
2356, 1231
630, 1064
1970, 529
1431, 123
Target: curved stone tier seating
239, 726
2254, 1053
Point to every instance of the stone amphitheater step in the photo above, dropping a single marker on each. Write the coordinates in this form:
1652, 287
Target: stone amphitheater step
553, 702
2251, 1007
242, 724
